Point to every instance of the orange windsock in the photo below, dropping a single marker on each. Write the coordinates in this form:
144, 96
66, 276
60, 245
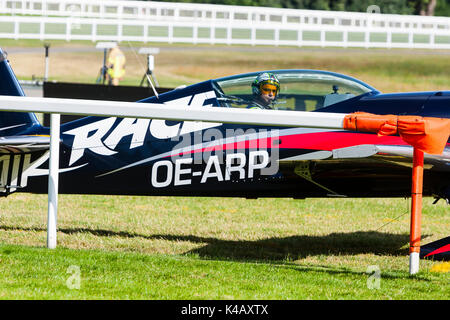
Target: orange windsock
424, 133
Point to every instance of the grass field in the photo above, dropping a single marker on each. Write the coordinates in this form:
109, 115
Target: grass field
203, 248
127, 247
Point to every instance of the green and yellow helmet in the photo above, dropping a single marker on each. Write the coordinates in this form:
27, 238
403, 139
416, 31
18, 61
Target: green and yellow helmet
263, 78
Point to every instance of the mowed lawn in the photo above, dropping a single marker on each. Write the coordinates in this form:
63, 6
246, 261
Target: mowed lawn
125, 247
223, 248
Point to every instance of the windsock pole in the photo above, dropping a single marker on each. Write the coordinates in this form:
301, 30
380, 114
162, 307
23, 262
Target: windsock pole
416, 211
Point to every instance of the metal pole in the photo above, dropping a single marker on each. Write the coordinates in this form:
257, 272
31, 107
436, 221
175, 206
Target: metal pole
416, 211
53, 180
47, 46
151, 67
104, 66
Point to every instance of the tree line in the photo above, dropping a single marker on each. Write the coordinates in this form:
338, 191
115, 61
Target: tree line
411, 7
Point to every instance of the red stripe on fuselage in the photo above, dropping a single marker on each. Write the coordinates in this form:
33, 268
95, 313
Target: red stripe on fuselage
335, 140
328, 141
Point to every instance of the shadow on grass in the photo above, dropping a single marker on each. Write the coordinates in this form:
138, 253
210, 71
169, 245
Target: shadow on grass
280, 251
298, 247
271, 249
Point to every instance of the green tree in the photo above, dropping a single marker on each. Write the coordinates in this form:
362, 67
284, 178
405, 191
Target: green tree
442, 8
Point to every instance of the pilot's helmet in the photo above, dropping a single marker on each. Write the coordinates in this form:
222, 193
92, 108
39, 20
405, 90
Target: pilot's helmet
265, 78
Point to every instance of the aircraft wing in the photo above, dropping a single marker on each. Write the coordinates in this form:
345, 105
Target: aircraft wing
360, 163
23, 144
17, 154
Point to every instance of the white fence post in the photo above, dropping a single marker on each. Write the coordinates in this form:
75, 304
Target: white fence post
145, 33
212, 34
68, 28
119, 31
345, 38
16, 30
253, 36
195, 33
170, 34
94, 31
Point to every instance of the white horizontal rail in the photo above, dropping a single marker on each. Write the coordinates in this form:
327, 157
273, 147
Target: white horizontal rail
173, 112
207, 12
216, 24
258, 33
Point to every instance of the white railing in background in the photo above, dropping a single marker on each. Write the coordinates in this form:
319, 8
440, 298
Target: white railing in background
147, 21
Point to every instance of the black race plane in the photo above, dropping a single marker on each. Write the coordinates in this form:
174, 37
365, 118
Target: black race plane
129, 156
136, 156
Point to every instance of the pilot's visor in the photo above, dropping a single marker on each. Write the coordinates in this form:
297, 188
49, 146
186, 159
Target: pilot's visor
267, 88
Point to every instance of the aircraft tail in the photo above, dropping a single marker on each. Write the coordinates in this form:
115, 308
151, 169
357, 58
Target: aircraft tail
13, 123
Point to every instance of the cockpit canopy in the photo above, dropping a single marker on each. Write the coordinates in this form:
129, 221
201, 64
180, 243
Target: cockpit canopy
302, 90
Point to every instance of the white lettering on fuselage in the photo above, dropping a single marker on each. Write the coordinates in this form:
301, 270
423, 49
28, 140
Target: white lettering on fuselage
84, 140
167, 173
96, 136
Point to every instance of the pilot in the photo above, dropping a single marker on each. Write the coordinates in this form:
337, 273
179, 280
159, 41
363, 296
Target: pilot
265, 90
116, 65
